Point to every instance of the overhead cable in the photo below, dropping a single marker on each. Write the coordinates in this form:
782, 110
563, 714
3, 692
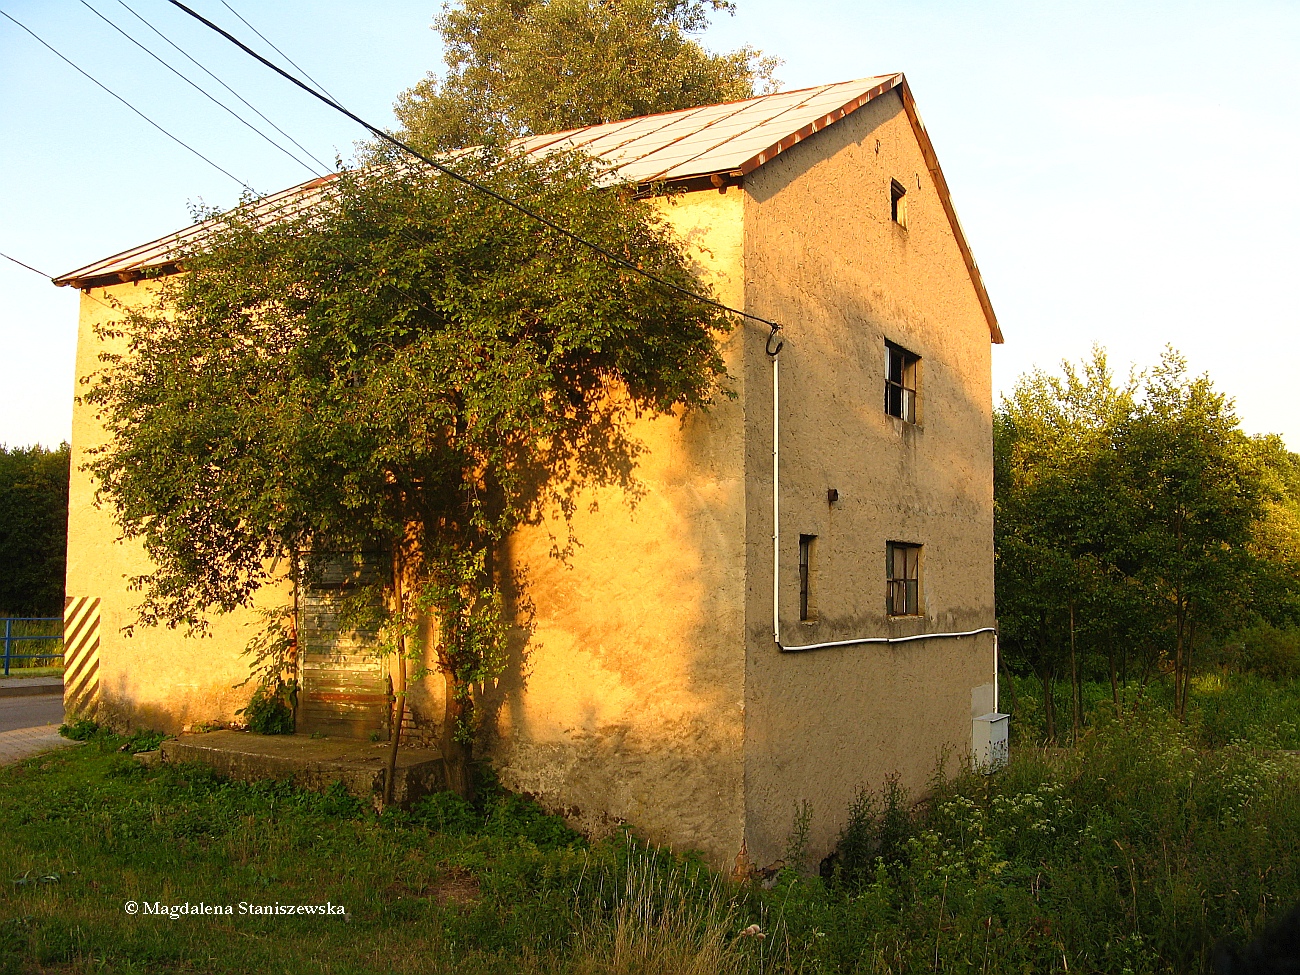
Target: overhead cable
325, 167
276, 49
215, 101
474, 184
21, 264
88, 76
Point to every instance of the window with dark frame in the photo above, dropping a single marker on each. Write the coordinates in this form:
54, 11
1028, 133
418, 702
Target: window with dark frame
900, 382
806, 606
903, 579
898, 203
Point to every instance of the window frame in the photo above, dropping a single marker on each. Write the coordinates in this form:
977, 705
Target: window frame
907, 585
902, 394
807, 569
898, 203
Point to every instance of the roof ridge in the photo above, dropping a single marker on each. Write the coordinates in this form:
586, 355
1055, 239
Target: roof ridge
695, 108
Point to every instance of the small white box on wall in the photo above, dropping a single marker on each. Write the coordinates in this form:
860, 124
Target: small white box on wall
989, 750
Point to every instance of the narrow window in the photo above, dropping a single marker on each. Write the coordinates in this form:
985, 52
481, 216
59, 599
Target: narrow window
806, 608
900, 382
898, 203
903, 579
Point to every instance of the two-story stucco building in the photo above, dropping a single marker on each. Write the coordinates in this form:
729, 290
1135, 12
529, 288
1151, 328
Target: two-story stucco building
802, 600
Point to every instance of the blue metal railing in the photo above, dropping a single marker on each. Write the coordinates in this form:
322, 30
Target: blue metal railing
11, 638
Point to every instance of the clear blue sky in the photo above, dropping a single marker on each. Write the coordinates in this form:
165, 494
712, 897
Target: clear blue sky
1125, 171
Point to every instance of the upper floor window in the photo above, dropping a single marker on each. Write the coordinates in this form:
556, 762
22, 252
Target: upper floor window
900, 382
898, 203
807, 549
903, 579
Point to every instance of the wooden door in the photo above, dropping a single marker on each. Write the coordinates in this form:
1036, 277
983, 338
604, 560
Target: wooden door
345, 689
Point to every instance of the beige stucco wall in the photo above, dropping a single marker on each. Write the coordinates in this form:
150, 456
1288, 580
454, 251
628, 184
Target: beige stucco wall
629, 704
159, 677
823, 256
648, 688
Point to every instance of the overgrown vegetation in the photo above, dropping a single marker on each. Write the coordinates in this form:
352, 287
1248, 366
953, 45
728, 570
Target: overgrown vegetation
1140, 535
406, 369
1137, 851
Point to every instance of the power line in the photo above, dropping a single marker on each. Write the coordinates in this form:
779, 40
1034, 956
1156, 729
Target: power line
325, 167
50, 278
473, 184
28, 266
276, 49
137, 111
205, 94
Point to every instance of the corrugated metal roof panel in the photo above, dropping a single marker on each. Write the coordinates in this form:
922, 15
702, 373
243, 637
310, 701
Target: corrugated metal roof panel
678, 145
672, 146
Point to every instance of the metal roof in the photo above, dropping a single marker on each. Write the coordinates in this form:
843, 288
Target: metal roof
733, 137
728, 140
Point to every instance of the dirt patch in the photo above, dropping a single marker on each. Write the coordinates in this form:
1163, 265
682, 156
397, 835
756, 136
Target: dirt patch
456, 886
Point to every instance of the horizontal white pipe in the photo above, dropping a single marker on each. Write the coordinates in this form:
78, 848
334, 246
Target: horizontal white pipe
886, 639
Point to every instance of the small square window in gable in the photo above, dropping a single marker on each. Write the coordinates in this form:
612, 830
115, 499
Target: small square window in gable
898, 203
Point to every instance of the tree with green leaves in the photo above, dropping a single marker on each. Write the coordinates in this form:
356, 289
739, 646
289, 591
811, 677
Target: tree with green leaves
410, 368
1054, 523
1195, 488
519, 67
33, 529
1137, 517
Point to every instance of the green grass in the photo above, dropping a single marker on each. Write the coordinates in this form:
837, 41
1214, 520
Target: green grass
1134, 852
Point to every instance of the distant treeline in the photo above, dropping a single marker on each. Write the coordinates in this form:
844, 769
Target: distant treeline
1140, 532
33, 530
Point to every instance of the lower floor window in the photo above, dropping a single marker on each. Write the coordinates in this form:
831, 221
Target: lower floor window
903, 575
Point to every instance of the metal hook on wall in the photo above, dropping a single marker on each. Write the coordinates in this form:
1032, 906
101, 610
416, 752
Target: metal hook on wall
779, 345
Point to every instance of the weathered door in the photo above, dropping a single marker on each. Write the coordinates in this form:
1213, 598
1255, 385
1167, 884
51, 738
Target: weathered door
345, 692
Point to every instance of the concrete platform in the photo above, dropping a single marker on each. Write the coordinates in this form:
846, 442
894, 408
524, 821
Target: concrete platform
312, 763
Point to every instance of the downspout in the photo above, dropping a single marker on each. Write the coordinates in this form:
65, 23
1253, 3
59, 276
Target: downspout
775, 355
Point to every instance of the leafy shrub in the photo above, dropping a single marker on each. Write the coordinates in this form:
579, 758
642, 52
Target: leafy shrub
446, 812
83, 729
270, 710
878, 833
1271, 652
142, 740
494, 812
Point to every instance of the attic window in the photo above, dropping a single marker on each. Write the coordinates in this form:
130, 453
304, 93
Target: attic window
898, 203
900, 382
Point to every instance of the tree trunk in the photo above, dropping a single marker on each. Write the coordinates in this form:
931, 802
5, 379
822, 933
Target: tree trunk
1076, 690
399, 685
293, 667
1049, 706
456, 755
1114, 677
1187, 673
1180, 664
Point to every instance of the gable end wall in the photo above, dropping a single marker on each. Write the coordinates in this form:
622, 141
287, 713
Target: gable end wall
823, 257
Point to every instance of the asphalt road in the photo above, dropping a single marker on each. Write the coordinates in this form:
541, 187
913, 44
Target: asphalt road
30, 712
